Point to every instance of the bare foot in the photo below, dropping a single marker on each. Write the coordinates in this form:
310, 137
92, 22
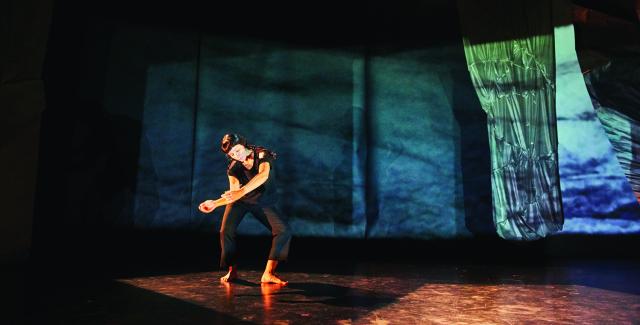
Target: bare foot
230, 276
272, 278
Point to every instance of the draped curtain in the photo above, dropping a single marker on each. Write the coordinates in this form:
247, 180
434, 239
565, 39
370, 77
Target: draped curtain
614, 89
509, 48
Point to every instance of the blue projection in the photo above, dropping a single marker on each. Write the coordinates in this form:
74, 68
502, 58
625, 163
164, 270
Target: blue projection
385, 141
596, 196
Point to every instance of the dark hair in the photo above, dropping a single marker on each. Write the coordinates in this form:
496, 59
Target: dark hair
229, 140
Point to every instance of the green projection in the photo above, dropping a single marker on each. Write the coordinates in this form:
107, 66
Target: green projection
511, 62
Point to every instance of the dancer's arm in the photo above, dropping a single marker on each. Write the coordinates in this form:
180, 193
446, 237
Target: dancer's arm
210, 205
255, 182
236, 192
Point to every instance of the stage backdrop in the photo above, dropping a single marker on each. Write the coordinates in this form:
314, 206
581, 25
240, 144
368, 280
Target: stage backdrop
383, 137
375, 141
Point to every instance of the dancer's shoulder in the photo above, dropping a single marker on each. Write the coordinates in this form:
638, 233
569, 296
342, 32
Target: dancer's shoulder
230, 168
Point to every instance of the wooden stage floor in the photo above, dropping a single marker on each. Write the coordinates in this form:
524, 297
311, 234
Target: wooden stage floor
593, 292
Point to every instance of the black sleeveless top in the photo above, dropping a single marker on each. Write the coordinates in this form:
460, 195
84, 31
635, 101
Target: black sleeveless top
265, 194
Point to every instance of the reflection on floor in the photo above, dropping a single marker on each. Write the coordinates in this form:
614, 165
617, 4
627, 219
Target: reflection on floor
355, 299
343, 293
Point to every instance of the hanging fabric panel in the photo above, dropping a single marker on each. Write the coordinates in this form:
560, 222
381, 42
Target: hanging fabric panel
509, 47
614, 89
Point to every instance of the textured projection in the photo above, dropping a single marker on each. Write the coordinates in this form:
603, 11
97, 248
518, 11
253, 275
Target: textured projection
510, 56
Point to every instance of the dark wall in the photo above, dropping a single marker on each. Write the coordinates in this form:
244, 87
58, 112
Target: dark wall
23, 39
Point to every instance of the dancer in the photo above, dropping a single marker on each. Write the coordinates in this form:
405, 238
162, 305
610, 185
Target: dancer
251, 190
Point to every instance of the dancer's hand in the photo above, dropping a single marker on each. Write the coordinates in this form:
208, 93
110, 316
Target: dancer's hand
207, 206
232, 196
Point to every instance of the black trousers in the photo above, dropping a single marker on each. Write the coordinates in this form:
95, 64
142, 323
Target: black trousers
234, 213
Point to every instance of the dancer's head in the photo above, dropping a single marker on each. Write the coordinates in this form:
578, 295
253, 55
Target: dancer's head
235, 146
